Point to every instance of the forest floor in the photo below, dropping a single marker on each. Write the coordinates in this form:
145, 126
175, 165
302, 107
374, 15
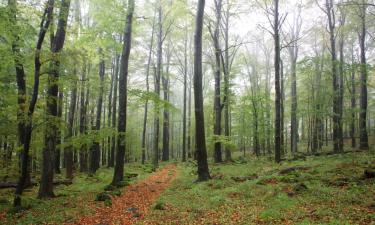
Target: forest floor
326, 189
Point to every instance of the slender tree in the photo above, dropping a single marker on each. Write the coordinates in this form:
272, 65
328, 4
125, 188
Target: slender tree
46, 183
120, 153
201, 152
276, 36
24, 116
363, 136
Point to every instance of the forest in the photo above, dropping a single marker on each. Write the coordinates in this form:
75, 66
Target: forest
187, 112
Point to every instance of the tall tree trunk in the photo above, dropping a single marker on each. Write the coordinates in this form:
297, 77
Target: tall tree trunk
123, 82
165, 81
25, 118
185, 98
282, 146
95, 148
46, 183
278, 129
85, 94
353, 102
226, 70
157, 89
69, 150
217, 75
189, 148
200, 137
111, 160
59, 133
109, 118
293, 113
337, 147
147, 89
363, 136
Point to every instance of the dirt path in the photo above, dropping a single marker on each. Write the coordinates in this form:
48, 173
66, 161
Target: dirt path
135, 201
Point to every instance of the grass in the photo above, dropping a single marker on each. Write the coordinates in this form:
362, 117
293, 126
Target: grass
325, 189
329, 190
71, 202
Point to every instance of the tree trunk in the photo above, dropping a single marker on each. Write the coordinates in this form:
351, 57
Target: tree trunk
337, 147
111, 160
278, 130
157, 90
147, 89
217, 75
123, 82
282, 146
353, 103
69, 150
185, 99
363, 136
201, 152
59, 133
24, 118
165, 78
95, 148
46, 183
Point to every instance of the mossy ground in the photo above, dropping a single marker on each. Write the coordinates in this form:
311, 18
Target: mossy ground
327, 189
71, 202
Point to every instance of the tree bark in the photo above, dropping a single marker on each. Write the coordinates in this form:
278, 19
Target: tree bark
46, 183
69, 150
165, 81
157, 89
95, 148
363, 136
123, 82
217, 75
201, 152
147, 89
24, 118
337, 147
278, 129
111, 160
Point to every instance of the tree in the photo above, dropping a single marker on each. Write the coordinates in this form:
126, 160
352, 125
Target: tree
294, 33
201, 152
363, 137
24, 116
95, 148
217, 98
120, 153
69, 150
46, 183
147, 89
337, 123
276, 36
159, 68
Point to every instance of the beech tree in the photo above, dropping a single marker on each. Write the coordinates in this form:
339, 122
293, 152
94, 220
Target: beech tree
201, 152
123, 80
